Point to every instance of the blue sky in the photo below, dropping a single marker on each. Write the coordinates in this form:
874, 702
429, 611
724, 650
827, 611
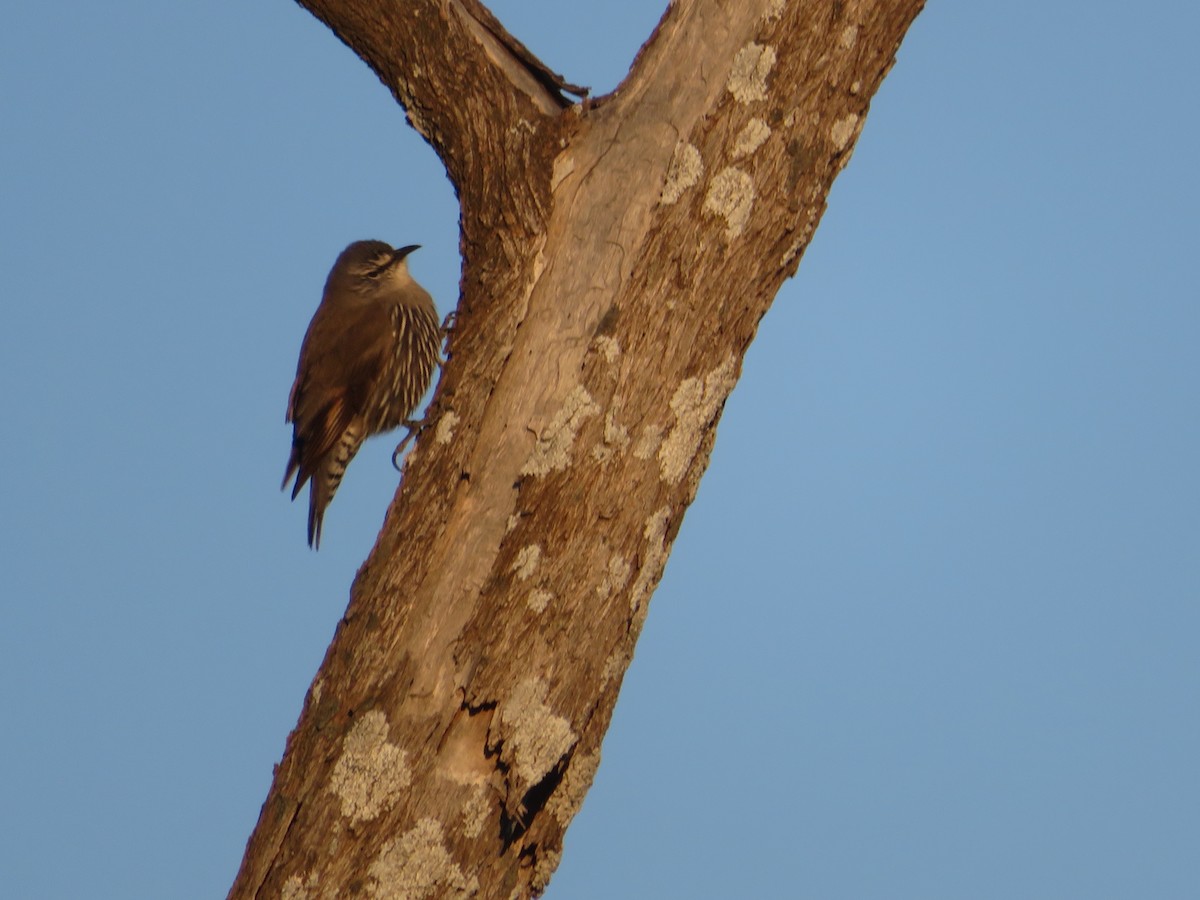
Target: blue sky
930, 629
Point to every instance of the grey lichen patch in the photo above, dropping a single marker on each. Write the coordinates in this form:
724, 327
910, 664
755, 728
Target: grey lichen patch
685, 169
801, 241
535, 737
731, 196
616, 439
616, 576
553, 448
648, 442
613, 666
748, 79
371, 773
539, 599
609, 348
849, 37
774, 10
543, 868
654, 559
844, 130
527, 561
445, 427
695, 405
792, 251
564, 803
418, 865
297, 888
750, 138
615, 434
476, 811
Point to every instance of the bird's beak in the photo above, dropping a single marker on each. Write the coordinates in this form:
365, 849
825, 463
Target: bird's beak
404, 251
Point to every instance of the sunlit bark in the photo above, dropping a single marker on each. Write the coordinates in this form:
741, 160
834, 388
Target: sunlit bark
618, 254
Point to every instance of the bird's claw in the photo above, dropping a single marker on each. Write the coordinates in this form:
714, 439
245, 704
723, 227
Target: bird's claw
414, 428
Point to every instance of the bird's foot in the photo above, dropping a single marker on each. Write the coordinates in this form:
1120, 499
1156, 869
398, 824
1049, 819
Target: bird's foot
414, 428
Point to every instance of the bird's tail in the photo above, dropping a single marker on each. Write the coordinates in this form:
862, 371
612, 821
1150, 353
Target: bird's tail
328, 478
293, 467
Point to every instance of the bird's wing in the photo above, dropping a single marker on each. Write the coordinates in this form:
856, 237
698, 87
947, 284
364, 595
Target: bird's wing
340, 361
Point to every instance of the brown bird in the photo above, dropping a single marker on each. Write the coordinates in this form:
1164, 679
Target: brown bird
366, 362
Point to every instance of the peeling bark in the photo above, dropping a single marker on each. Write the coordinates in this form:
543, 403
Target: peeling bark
618, 254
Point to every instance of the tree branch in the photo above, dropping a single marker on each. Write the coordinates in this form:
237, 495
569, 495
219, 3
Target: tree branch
618, 257
458, 74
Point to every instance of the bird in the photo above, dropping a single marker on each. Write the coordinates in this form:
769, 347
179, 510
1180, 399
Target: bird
367, 359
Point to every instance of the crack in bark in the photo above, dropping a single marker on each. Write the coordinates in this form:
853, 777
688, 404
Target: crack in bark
553, 83
514, 824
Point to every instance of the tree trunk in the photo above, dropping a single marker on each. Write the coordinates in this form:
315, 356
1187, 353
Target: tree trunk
618, 254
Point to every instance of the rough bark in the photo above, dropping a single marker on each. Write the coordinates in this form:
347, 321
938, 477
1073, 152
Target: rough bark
618, 255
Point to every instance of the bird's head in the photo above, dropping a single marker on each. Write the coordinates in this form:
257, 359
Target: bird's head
369, 267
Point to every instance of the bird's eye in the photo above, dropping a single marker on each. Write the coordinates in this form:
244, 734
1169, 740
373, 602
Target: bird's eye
378, 265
